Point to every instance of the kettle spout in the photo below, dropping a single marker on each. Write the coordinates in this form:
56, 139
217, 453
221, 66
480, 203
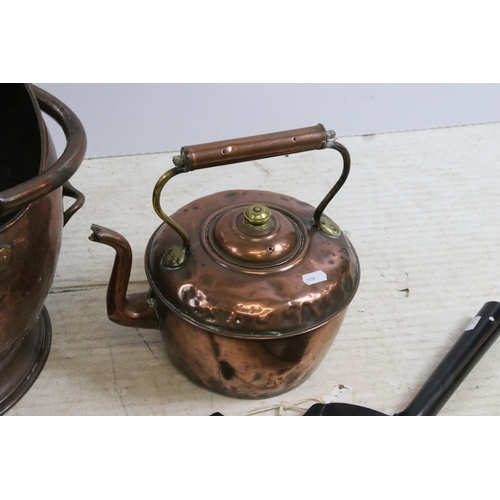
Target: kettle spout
133, 309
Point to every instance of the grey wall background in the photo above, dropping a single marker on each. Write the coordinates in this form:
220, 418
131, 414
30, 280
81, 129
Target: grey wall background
127, 119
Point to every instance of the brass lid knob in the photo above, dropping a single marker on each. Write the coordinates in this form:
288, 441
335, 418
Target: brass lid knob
257, 217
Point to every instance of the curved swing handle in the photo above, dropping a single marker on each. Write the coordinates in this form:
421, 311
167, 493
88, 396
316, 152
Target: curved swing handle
247, 149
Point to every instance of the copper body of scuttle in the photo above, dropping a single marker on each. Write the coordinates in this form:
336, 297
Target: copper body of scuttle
249, 288
32, 185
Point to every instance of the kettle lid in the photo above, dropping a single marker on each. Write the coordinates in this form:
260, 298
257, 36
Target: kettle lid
253, 237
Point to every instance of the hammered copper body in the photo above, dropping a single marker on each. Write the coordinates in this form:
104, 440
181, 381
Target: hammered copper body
32, 185
247, 308
249, 332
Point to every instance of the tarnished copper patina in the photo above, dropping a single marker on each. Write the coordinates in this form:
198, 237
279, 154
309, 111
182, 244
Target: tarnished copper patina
249, 288
32, 185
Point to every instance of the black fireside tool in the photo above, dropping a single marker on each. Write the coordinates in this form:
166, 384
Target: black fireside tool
477, 338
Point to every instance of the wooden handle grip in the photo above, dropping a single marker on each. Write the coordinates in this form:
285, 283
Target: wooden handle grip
253, 148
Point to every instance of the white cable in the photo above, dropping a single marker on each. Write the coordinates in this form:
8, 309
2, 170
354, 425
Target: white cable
286, 406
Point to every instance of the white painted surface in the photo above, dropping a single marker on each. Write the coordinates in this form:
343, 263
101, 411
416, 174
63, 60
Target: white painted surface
129, 119
421, 209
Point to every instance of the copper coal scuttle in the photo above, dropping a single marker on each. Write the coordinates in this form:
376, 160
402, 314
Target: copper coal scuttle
32, 185
248, 288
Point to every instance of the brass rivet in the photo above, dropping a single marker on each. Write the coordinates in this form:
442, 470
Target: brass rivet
5, 255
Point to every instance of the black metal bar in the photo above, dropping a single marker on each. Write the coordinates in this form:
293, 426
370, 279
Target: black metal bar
456, 365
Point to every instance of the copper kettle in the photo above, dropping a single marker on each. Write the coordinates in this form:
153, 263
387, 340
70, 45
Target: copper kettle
249, 288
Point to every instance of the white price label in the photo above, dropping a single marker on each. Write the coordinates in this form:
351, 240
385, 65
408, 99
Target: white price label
473, 323
315, 277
